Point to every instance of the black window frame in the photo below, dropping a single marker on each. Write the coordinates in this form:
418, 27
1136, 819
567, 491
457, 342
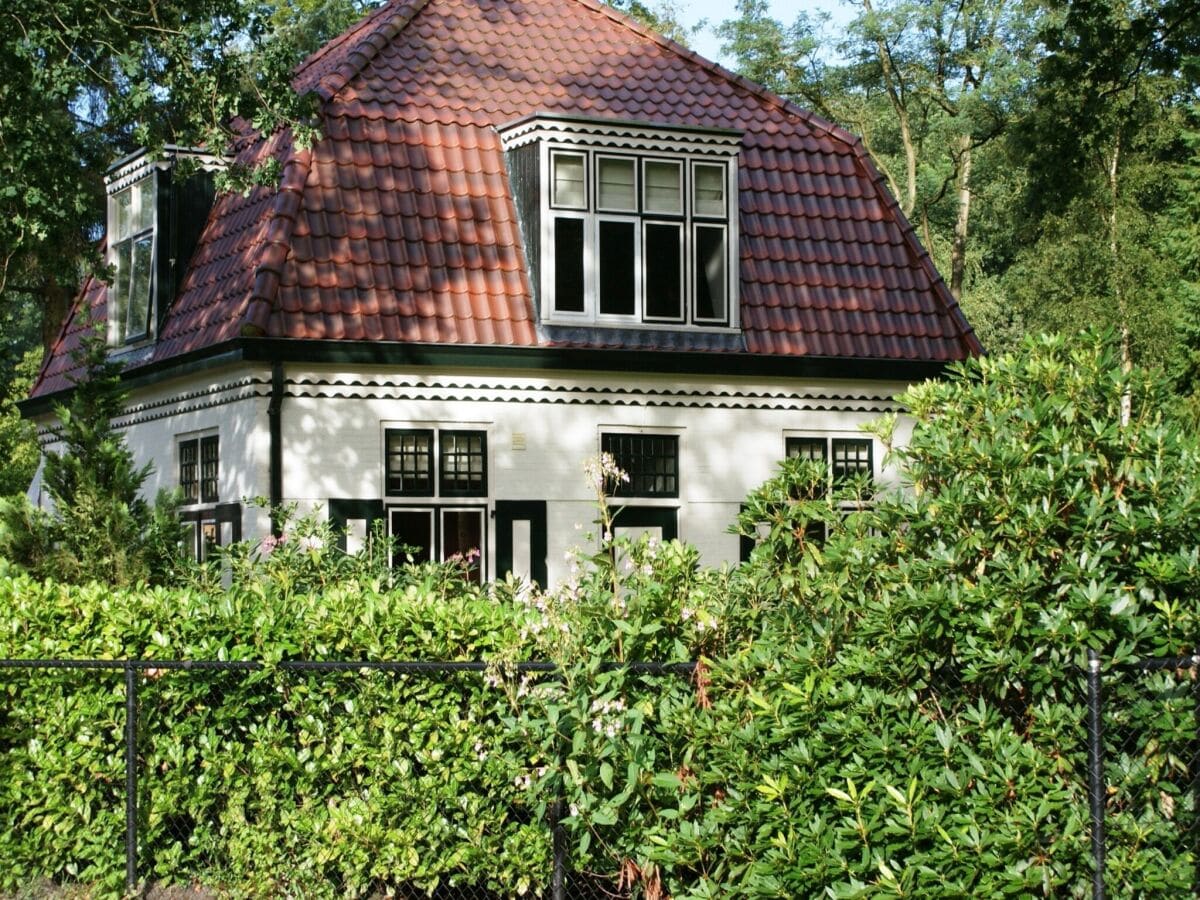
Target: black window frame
189, 469
830, 449
455, 433
210, 468
621, 446
394, 485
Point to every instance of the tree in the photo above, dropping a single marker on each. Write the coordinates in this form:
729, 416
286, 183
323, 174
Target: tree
81, 85
1103, 145
100, 527
925, 85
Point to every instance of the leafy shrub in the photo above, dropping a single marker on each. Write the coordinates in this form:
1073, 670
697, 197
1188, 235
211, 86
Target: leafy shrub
911, 721
889, 699
101, 528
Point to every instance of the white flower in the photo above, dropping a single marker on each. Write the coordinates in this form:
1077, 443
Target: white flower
311, 543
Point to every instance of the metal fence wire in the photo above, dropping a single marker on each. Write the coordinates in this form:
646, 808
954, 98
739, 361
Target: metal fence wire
1144, 776
359, 786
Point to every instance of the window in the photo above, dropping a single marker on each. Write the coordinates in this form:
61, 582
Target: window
210, 522
846, 457
648, 243
132, 217
650, 460
198, 469
629, 224
842, 459
440, 526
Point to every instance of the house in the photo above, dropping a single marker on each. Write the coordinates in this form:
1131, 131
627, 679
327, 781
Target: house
533, 231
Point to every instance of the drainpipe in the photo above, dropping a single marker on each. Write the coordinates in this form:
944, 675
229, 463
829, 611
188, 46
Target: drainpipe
275, 461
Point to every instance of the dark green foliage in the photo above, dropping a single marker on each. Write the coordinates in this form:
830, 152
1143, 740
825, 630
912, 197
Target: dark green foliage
890, 698
100, 528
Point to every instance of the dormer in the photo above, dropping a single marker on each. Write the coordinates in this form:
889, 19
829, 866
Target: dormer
157, 207
627, 224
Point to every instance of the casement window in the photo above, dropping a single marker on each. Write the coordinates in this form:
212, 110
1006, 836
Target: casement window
437, 471
844, 457
650, 460
635, 225
133, 217
156, 211
211, 523
199, 461
639, 239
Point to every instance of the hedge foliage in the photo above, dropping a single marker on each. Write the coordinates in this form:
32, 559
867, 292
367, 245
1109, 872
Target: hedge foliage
890, 699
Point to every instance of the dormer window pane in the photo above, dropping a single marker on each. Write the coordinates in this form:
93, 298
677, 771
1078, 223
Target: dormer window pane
664, 271
709, 198
145, 206
569, 184
710, 272
138, 302
618, 190
664, 187
124, 223
568, 264
618, 258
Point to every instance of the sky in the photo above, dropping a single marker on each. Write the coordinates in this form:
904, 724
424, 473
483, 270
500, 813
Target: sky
708, 44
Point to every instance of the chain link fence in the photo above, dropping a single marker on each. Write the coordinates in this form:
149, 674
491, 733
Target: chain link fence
1144, 776
402, 779
169, 772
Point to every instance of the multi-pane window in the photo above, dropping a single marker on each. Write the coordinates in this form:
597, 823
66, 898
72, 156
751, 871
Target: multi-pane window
846, 457
650, 460
199, 468
462, 462
199, 482
439, 526
639, 239
131, 239
209, 456
410, 462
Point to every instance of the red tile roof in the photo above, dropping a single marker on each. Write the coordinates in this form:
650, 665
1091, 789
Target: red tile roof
399, 225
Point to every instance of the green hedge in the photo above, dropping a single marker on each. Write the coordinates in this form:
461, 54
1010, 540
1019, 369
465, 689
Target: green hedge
272, 782
895, 708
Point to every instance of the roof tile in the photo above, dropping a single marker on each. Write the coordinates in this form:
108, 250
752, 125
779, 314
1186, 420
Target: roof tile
399, 224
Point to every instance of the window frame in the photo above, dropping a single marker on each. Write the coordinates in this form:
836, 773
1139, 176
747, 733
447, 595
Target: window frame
687, 164
630, 491
431, 459
119, 307
442, 499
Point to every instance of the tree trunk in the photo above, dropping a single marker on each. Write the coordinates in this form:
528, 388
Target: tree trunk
56, 305
893, 82
1115, 274
958, 249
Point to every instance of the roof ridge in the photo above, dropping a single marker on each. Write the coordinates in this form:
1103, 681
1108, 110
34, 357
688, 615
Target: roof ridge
277, 243
909, 233
64, 327
952, 306
394, 16
820, 123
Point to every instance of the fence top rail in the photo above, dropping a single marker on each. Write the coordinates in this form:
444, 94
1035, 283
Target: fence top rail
333, 665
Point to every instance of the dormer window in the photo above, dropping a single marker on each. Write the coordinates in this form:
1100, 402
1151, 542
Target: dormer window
636, 225
132, 249
155, 213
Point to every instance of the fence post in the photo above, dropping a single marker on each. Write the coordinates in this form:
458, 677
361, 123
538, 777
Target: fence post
558, 882
131, 712
1194, 768
1096, 774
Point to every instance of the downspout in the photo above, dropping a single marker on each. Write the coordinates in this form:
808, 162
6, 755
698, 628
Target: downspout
275, 459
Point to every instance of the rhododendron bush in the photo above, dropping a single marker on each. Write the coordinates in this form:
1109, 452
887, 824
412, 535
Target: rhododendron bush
887, 698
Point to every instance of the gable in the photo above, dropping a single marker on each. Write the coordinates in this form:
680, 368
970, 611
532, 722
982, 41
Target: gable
400, 224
